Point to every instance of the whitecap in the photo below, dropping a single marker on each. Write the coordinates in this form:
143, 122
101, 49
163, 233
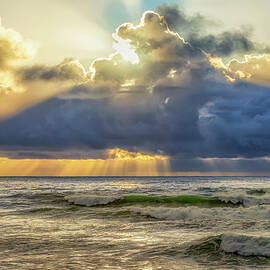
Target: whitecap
245, 245
90, 200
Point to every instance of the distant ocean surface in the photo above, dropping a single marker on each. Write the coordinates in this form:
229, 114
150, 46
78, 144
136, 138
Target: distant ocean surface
135, 223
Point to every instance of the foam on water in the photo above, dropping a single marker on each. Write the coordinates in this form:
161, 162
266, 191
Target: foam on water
246, 245
259, 212
172, 213
90, 200
247, 198
231, 251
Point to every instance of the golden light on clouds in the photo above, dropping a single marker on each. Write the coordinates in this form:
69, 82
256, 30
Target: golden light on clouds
254, 68
118, 162
218, 63
120, 154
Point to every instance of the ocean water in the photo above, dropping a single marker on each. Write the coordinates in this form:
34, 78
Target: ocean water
135, 223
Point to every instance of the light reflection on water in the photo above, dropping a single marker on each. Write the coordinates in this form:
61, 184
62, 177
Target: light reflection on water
38, 232
45, 243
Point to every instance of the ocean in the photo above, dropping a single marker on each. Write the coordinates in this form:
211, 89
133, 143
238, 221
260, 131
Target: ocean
134, 223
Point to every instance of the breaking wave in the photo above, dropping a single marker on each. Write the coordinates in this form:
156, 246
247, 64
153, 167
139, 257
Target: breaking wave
254, 213
248, 198
244, 245
90, 200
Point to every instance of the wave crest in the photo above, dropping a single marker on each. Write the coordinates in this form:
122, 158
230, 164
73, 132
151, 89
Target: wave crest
93, 200
237, 244
90, 200
246, 245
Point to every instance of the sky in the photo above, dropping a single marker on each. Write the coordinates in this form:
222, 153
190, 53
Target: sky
134, 87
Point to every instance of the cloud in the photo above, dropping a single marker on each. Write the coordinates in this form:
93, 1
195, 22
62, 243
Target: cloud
221, 166
22, 84
25, 86
13, 51
178, 20
195, 29
120, 154
13, 48
255, 68
237, 123
235, 13
149, 103
176, 101
69, 69
16, 74
226, 43
160, 53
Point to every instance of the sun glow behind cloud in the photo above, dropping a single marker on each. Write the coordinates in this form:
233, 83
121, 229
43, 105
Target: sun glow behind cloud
125, 49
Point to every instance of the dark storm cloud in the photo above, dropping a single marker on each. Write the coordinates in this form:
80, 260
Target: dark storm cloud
42, 153
132, 120
194, 30
226, 43
178, 20
238, 124
258, 166
235, 122
69, 69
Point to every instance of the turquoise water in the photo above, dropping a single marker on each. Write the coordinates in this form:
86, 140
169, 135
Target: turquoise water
135, 223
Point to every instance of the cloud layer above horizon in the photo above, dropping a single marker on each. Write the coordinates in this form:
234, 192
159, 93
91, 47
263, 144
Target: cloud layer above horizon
170, 88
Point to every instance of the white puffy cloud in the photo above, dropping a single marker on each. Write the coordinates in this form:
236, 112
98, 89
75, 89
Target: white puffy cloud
13, 51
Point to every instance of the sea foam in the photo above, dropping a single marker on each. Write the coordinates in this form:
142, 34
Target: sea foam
250, 198
239, 244
259, 212
245, 245
90, 200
